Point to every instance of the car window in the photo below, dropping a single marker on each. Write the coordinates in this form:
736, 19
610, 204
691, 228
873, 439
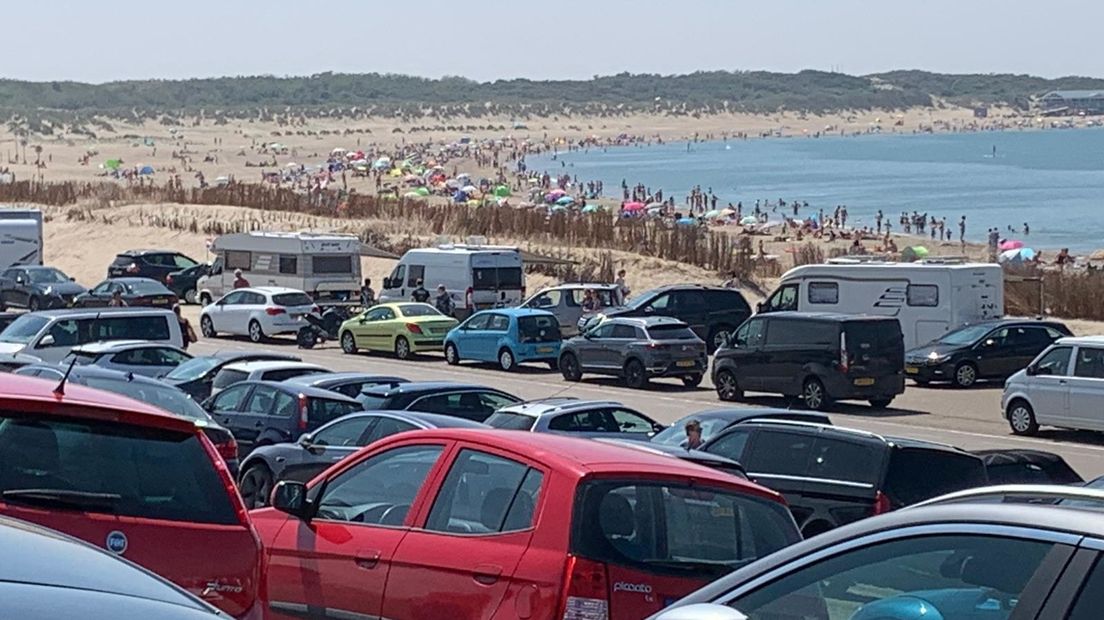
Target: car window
779, 452
485, 494
690, 301
494, 401
603, 331
663, 302
124, 328
11, 274
1090, 363
875, 581
1053, 334
227, 377
234, 299
498, 323
230, 399
797, 332
380, 489
397, 276
848, 461
385, 427
323, 410
285, 405
262, 400
549, 299
731, 445
510, 421
784, 299
917, 474
750, 333
284, 374
103, 288
1054, 362
631, 421
64, 333
822, 293
479, 321
380, 314
622, 331
344, 433
1091, 599
292, 299
597, 421
671, 332
539, 329
415, 273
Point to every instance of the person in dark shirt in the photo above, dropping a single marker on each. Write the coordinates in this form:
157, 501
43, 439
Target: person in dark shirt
420, 294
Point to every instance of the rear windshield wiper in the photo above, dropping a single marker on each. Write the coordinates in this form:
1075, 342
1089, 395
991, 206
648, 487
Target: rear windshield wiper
58, 498
693, 565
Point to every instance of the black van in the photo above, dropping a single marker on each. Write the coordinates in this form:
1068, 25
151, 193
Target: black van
820, 358
832, 476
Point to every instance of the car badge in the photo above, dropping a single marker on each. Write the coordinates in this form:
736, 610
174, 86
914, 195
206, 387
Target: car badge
116, 542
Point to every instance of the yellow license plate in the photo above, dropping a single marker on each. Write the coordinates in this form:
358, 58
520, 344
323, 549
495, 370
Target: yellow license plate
912, 370
864, 381
685, 363
544, 349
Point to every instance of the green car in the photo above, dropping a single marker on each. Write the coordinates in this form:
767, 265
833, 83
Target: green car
400, 328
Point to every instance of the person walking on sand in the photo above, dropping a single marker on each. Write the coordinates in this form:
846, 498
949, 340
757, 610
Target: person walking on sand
962, 230
239, 280
622, 287
188, 334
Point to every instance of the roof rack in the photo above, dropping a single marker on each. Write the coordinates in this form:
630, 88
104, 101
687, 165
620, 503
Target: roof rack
1020, 493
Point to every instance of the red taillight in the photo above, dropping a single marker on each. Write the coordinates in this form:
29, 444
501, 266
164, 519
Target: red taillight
413, 328
132, 268
302, 412
882, 504
270, 311
469, 298
228, 449
586, 590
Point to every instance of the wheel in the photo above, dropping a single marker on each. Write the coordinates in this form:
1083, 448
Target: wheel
719, 337
1022, 418
965, 375
569, 367
553, 365
190, 296
33, 305
256, 335
727, 388
506, 360
692, 381
812, 392
204, 299
452, 355
256, 485
348, 343
635, 377
207, 327
880, 403
402, 348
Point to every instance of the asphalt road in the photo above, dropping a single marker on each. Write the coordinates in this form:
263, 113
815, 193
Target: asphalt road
966, 418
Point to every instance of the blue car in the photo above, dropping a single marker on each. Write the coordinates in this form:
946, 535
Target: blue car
508, 336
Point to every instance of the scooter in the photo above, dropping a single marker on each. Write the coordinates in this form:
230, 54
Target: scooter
319, 329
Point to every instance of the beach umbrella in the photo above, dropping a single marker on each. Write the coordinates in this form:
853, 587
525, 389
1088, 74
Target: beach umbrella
557, 192
1011, 244
471, 189
1016, 256
413, 195
914, 253
557, 208
712, 215
422, 191
634, 206
686, 221
655, 205
564, 200
591, 209
459, 197
749, 220
502, 191
146, 170
113, 164
727, 212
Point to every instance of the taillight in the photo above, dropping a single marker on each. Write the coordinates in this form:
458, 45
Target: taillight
844, 363
228, 449
413, 328
881, 503
586, 590
271, 311
302, 412
469, 298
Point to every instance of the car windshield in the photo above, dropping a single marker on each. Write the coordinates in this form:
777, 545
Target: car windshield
47, 276
642, 299
675, 435
965, 335
166, 397
23, 329
539, 329
413, 310
510, 421
193, 369
145, 287
289, 300
371, 402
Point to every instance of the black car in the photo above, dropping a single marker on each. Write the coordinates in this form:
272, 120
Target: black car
817, 357
260, 413
988, 350
196, 375
314, 452
715, 421
1022, 466
712, 312
697, 457
183, 283
831, 476
149, 391
37, 288
350, 384
462, 400
7, 318
134, 291
153, 264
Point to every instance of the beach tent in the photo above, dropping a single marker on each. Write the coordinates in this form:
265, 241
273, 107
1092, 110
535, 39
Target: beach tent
712, 215
591, 209
1016, 256
557, 192
686, 221
914, 253
1011, 244
727, 212
459, 197
146, 170
471, 189
113, 164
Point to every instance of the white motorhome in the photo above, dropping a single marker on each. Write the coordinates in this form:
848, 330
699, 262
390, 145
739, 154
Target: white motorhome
475, 276
20, 237
929, 298
324, 265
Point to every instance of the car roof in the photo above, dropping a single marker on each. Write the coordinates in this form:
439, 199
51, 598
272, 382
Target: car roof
271, 290
336, 378
148, 251
644, 321
1016, 321
1017, 455
517, 312
900, 442
835, 317
429, 420
91, 370
92, 312
262, 365
578, 285
1082, 340
229, 355
305, 390
739, 414
550, 406
108, 346
422, 387
133, 280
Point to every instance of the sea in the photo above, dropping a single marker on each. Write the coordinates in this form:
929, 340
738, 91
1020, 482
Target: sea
1053, 180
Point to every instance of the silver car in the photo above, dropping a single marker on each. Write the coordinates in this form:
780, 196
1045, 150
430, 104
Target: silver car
637, 350
149, 359
566, 302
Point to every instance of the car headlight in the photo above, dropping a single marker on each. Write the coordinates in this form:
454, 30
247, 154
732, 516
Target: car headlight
935, 358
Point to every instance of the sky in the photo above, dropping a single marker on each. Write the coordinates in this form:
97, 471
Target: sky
486, 40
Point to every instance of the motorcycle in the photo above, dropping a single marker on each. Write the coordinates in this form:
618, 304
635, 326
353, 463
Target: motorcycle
319, 329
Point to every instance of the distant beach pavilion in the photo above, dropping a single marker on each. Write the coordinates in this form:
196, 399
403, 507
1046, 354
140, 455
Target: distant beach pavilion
1073, 102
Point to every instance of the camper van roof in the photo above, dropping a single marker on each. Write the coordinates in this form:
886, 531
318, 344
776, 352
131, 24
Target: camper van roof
464, 247
272, 241
868, 267
302, 235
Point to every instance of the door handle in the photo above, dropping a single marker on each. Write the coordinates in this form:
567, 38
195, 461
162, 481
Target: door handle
259, 424
487, 574
367, 559
1061, 382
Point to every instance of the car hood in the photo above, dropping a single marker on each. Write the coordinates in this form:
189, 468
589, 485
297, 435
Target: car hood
63, 288
938, 348
11, 348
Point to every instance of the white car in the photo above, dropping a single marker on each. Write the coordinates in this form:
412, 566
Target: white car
149, 359
1062, 387
257, 312
268, 370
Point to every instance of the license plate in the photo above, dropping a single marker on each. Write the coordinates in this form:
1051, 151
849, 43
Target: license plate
685, 363
544, 349
864, 381
160, 302
912, 370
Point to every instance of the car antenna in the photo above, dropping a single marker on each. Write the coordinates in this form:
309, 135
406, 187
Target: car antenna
60, 389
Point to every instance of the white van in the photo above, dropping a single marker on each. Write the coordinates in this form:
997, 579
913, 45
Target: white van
476, 276
1062, 387
324, 265
50, 334
928, 298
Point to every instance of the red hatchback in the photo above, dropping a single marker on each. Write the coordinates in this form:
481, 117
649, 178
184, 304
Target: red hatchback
458, 524
125, 475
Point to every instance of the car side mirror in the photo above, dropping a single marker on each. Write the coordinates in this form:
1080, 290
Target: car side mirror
305, 440
290, 497
1043, 370
387, 283
701, 611
19, 280
71, 279
649, 310
47, 340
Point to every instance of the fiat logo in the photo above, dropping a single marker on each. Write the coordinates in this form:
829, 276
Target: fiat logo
117, 542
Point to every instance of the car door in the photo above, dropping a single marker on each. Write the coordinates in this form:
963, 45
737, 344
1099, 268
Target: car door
778, 459
630, 424
328, 445
337, 564
100, 295
690, 308
484, 515
13, 288
473, 342
498, 325
614, 351
747, 354
1086, 389
590, 349
1048, 387
375, 332
1030, 343
992, 353
226, 407
222, 313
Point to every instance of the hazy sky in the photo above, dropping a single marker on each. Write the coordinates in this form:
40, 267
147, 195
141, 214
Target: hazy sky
95, 41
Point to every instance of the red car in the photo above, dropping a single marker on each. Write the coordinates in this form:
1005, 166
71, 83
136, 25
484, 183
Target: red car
122, 474
456, 524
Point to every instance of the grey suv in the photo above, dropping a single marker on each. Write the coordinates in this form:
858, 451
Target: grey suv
587, 418
636, 349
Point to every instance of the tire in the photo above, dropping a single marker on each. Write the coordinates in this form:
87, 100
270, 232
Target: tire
205, 299
1021, 418
506, 360
256, 485
553, 365
812, 392
719, 336
207, 327
635, 375
880, 403
348, 343
727, 387
452, 355
569, 367
692, 381
402, 348
34, 305
256, 334
965, 375
190, 296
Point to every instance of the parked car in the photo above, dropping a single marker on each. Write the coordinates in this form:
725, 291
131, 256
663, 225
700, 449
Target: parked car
183, 282
507, 336
832, 476
118, 472
1023, 466
586, 418
1063, 387
133, 291
463, 400
153, 264
712, 312
315, 452
817, 357
50, 334
262, 370
196, 375
258, 312
37, 288
150, 391
15, 361
7, 318
636, 350
461, 523
149, 359
38, 581
988, 350
714, 461
968, 556
346, 383
260, 413
566, 302
404, 329
715, 421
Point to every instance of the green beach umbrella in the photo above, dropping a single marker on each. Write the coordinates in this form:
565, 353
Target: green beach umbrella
502, 191
113, 164
422, 191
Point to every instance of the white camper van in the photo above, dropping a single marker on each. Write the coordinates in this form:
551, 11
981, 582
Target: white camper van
476, 276
928, 298
20, 237
324, 265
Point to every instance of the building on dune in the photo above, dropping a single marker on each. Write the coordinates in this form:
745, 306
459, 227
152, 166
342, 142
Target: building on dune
1072, 102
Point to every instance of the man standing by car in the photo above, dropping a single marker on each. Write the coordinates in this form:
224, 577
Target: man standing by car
239, 280
443, 302
367, 294
420, 294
